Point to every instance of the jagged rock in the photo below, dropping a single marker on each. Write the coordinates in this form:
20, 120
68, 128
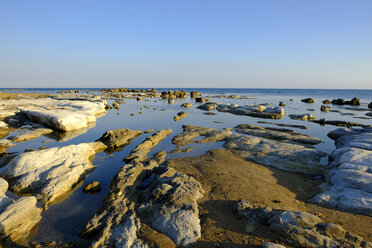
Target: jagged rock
92, 187
180, 115
115, 105
260, 111
161, 196
277, 134
350, 180
139, 153
50, 173
119, 137
186, 105
308, 100
300, 229
303, 117
36, 133
324, 108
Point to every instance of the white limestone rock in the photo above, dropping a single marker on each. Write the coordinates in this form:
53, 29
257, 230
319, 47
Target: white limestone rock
350, 181
49, 174
17, 218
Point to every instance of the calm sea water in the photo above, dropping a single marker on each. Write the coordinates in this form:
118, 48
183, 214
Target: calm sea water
63, 221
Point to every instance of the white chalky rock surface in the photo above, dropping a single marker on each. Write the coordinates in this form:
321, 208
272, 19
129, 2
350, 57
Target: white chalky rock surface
49, 174
62, 115
350, 181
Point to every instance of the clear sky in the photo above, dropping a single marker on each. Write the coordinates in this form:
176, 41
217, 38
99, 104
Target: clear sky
186, 43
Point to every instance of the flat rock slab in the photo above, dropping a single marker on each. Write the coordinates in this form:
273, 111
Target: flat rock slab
281, 154
17, 218
30, 135
277, 134
299, 229
60, 115
350, 181
260, 111
50, 173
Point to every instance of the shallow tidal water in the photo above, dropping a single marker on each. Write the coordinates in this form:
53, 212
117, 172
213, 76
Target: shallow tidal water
64, 219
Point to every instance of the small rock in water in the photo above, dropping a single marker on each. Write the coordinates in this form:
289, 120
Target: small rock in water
324, 108
43, 148
308, 100
149, 131
46, 141
93, 187
282, 104
327, 101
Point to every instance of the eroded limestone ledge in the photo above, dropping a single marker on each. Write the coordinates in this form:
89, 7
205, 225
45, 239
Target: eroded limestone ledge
50, 173
143, 191
17, 217
284, 154
58, 114
350, 181
260, 111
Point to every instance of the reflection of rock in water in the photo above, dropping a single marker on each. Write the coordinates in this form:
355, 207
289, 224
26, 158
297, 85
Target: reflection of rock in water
65, 136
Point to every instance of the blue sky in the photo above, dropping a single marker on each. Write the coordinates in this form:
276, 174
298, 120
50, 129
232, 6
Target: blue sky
186, 43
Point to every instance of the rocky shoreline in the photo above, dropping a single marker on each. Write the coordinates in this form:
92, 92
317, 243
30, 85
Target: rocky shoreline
154, 201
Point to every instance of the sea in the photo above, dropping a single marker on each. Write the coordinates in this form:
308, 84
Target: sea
64, 219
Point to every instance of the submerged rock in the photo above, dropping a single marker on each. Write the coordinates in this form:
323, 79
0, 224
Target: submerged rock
350, 181
51, 173
186, 105
92, 187
324, 108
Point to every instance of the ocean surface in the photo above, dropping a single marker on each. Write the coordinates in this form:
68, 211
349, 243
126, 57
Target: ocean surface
64, 219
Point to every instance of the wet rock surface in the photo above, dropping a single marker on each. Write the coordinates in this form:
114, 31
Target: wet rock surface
50, 173
180, 115
30, 135
300, 229
350, 180
303, 117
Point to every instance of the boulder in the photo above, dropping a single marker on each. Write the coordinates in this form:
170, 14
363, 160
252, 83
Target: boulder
324, 108
370, 105
51, 173
308, 100
338, 101
327, 102
282, 104
186, 105
354, 101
